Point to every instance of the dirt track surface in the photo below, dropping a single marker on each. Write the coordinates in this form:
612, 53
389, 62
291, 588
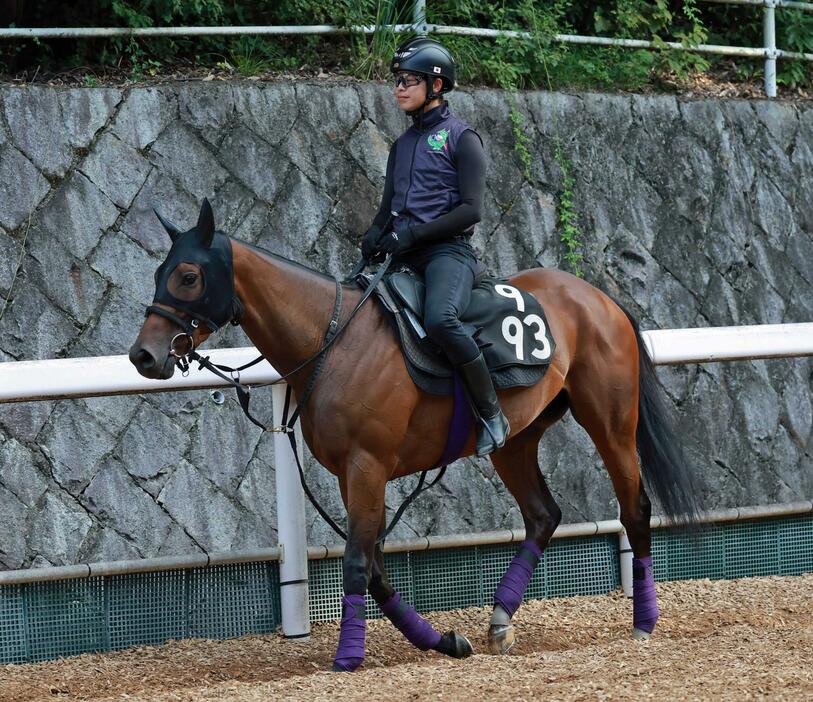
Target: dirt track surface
716, 640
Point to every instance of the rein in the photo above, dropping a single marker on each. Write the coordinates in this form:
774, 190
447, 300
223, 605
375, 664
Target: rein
334, 331
184, 359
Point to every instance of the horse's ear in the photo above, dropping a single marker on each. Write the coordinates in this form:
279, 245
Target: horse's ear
206, 224
172, 230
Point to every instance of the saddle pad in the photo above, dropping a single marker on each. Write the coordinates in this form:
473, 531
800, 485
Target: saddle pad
431, 371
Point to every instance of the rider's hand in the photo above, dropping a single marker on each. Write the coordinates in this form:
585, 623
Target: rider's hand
397, 241
370, 242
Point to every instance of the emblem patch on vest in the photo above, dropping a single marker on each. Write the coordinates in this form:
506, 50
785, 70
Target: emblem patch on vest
439, 140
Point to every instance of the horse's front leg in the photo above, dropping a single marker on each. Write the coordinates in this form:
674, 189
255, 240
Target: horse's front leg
362, 490
418, 631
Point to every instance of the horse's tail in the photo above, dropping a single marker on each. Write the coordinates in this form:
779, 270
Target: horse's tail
664, 465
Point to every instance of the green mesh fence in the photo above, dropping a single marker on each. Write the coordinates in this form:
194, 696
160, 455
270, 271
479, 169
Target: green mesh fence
13, 643
41, 621
67, 618
325, 586
146, 607
233, 600
736, 550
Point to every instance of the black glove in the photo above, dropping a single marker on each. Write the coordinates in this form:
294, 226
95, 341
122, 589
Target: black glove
398, 240
370, 242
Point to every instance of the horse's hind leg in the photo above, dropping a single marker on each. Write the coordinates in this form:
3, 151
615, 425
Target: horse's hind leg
621, 458
419, 632
610, 418
518, 467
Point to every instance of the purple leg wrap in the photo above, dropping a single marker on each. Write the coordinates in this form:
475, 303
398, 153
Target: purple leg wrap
513, 584
350, 653
644, 601
417, 630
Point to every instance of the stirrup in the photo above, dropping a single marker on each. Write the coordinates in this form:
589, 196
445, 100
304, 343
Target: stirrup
490, 438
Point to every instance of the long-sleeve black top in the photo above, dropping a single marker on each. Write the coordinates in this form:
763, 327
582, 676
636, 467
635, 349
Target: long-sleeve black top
471, 170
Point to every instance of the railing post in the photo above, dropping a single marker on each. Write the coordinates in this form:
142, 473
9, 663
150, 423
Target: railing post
625, 562
293, 563
769, 41
419, 17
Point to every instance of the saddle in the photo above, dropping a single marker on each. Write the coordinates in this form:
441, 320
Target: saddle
507, 323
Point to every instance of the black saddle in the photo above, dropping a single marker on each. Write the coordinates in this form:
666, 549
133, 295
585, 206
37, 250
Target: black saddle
507, 323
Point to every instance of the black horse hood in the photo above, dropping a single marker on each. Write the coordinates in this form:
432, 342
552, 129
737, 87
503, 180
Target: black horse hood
210, 250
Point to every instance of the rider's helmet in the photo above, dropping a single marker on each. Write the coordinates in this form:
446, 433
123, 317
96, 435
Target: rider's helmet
427, 57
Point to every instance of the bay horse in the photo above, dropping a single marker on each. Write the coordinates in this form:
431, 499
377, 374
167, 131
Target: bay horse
368, 423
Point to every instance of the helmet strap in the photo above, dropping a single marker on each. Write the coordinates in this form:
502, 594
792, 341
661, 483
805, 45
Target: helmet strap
417, 115
430, 92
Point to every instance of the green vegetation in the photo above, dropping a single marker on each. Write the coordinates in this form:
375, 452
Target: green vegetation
569, 233
521, 138
504, 61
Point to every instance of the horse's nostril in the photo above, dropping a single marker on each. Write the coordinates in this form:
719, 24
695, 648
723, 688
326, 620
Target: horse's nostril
144, 359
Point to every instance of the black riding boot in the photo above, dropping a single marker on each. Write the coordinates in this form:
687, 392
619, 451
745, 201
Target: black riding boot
493, 428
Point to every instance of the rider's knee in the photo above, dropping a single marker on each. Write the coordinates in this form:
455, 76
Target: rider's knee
439, 325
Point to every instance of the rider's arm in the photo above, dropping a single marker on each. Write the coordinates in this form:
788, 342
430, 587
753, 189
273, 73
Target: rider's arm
383, 214
471, 173
371, 238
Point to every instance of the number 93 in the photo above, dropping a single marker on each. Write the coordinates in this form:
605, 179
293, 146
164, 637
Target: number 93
513, 330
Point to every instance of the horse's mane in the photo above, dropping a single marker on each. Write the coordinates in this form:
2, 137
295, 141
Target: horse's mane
282, 259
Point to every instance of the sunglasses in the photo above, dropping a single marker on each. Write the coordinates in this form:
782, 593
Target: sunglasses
407, 80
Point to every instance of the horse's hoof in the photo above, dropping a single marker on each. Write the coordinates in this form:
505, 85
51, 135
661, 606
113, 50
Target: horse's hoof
501, 638
454, 645
347, 665
640, 634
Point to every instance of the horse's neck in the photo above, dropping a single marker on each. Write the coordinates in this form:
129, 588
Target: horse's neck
287, 307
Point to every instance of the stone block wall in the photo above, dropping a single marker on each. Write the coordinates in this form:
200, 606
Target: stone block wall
692, 213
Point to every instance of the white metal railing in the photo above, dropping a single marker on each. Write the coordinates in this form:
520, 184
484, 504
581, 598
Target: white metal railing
114, 375
62, 378
768, 51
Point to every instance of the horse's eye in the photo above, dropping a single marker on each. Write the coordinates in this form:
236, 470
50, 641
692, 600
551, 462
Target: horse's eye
189, 279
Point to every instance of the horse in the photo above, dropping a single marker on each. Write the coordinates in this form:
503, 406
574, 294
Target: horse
368, 423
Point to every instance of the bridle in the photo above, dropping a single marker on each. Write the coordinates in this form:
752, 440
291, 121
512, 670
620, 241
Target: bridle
186, 354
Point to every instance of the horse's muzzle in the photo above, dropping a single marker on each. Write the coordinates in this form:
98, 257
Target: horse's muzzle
148, 366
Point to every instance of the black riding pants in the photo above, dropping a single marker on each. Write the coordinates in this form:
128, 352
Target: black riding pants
449, 281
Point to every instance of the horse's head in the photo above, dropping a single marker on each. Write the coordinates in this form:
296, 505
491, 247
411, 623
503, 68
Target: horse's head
194, 297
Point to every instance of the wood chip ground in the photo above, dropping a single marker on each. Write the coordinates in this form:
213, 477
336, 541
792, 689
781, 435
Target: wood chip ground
716, 640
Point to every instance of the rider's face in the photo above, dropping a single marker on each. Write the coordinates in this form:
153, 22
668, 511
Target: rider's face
410, 91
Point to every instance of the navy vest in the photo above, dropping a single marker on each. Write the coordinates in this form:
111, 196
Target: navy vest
425, 184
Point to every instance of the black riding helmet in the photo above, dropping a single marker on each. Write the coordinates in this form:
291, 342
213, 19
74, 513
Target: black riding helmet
429, 58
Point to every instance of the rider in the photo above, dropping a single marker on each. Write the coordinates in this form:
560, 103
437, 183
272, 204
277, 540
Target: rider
433, 197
